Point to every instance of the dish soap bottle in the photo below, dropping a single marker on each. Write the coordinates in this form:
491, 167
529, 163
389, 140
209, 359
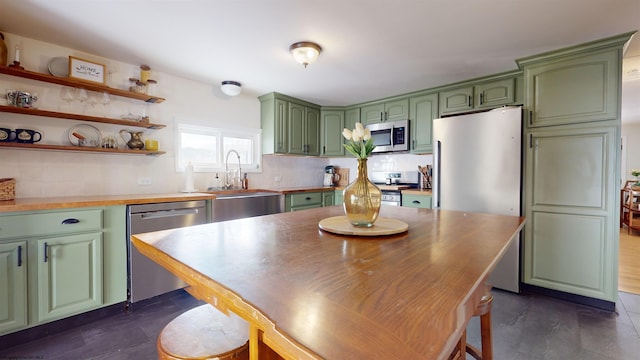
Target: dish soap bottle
245, 182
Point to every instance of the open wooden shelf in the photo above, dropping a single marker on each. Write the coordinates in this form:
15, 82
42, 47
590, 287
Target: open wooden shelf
60, 115
78, 84
78, 148
96, 119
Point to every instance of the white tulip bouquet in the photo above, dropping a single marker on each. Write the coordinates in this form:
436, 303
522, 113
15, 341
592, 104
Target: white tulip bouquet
360, 143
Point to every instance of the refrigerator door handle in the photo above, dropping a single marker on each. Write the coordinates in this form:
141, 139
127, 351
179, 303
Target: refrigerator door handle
436, 173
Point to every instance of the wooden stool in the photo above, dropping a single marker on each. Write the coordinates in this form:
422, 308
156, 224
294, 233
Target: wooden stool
484, 311
203, 333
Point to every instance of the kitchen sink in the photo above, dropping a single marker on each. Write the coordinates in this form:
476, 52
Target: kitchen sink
238, 205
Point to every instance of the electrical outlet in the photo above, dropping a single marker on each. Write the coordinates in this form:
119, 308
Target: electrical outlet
144, 181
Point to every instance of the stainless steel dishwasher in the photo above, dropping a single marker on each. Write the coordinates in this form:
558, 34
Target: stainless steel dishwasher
145, 277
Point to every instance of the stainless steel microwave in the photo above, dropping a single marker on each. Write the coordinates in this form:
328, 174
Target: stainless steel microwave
390, 136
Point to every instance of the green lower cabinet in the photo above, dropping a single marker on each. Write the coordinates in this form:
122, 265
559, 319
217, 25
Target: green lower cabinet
308, 200
13, 286
69, 275
416, 201
338, 197
54, 264
328, 198
302, 201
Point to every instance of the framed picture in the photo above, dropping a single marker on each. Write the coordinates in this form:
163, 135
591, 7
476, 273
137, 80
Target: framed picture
86, 70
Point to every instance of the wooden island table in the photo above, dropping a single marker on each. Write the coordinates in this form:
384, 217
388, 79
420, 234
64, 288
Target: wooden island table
311, 294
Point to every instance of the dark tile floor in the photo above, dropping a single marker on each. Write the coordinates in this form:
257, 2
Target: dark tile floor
527, 327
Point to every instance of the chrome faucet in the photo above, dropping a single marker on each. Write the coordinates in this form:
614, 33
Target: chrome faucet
227, 184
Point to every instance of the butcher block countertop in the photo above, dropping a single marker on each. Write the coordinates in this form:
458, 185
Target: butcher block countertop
311, 294
417, 192
66, 202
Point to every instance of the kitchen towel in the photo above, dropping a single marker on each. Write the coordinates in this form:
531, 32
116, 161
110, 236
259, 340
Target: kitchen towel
188, 179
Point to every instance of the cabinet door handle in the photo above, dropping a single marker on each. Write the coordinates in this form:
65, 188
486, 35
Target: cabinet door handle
46, 255
530, 141
469, 99
19, 255
417, 202
381, 116
307, 198
530, 117
481, 98
70, 221
386, 116
413, 144
324, 149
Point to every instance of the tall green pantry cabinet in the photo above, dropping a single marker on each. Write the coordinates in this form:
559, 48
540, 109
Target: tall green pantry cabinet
572, 156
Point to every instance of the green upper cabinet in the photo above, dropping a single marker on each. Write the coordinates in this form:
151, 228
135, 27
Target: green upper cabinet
289, 125
304, 130
495, 93
573, 89
331, 132
456, 100
13, 286
385, 111
274, 124
351, 117
478, 95
422, 110
312, 133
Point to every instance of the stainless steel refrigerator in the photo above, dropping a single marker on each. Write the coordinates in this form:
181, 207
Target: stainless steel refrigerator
477, 168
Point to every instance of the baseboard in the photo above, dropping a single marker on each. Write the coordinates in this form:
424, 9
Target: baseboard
579, 299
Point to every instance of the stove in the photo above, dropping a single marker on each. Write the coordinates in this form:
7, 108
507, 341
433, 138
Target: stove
392, 182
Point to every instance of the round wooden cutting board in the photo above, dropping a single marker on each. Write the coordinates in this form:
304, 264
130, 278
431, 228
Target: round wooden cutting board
382, 226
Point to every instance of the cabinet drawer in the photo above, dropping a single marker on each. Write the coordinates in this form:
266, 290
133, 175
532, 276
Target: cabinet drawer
305, 199
63, 222
416, 201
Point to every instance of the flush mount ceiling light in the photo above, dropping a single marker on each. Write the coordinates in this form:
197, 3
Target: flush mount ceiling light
231, 88
305, 52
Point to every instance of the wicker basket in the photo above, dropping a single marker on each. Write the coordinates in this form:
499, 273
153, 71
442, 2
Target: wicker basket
7, 189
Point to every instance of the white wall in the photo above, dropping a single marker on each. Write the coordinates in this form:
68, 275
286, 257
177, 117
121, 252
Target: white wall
41, 173
49, 173
384, 162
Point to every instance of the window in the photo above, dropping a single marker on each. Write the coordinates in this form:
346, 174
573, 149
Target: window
207, 148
